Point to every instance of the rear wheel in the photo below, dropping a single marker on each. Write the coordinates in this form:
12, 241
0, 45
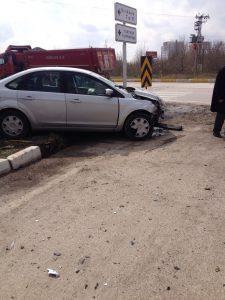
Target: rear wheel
139, 126
13, 124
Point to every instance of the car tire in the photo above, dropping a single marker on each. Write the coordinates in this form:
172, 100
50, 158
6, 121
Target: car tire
13, 124
139, 126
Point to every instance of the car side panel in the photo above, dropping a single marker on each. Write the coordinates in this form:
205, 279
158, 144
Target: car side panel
91, 111
47, 109
8, 98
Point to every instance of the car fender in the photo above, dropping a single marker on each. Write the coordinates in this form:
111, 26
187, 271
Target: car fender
128, 106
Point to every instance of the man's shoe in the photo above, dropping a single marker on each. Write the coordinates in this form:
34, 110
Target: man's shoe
217, 134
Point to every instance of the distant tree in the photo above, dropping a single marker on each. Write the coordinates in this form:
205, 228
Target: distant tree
119, 65
179, 62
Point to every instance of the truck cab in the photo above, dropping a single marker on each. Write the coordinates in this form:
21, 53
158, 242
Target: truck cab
12, 60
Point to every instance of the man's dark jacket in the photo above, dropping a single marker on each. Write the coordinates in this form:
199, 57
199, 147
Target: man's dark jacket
218, 98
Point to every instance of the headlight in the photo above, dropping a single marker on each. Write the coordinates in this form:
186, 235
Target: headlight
161, 102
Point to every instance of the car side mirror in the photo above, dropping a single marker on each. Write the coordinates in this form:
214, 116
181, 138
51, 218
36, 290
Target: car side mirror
109, 92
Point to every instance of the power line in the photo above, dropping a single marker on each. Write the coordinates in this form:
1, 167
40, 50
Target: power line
64, 4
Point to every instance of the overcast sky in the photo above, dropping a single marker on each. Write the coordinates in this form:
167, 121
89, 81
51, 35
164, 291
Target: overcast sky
58, 24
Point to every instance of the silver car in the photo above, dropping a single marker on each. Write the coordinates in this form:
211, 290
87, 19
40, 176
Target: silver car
60, 98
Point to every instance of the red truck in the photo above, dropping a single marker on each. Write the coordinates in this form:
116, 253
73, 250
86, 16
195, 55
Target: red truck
19, 58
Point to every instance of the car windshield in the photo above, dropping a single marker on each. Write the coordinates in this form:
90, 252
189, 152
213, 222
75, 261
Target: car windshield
107, 81
111, 83
2, 61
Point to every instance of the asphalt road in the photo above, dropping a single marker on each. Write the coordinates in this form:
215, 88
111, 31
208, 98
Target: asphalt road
199, 93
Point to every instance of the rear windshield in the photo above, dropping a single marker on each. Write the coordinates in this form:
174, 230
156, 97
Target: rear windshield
2, 61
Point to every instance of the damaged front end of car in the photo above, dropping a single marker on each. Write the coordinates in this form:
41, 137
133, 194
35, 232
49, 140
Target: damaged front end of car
144, 95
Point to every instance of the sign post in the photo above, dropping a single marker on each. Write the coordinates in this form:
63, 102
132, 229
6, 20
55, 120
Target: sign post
124, 64
123, 33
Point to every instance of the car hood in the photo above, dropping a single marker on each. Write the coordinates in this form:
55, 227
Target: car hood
146, 95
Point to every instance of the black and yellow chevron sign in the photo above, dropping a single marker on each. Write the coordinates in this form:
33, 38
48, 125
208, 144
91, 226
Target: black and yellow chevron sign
146, 71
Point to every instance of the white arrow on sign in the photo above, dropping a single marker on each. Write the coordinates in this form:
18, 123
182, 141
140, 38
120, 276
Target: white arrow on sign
125, 34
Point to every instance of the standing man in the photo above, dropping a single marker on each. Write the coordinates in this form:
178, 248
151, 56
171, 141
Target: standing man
218, 102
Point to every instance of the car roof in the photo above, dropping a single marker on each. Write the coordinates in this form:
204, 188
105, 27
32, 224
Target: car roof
14, 76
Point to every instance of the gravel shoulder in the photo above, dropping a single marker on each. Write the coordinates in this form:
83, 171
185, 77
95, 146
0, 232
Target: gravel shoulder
130, 220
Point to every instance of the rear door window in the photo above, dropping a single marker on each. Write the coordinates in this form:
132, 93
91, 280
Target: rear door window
47, 81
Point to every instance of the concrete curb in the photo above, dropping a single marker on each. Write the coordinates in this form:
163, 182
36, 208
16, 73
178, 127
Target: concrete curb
20, 159
191, 80
4, 166
31, 154
24, 157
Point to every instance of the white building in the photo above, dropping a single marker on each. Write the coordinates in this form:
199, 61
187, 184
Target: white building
170, 48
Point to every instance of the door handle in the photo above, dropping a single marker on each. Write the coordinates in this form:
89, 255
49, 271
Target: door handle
26, 98
75, 101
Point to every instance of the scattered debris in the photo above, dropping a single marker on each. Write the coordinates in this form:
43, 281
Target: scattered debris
132, 243
114, 212
77, 271
83, 259
21, 247
36, 220
53, 273
176, 268
86, 286
208, 188
96, 286
105, 284
158, 132
12, 246
168, 288
57, 253
171, 127
217, 269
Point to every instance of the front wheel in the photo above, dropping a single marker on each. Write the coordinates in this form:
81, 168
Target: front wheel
139, 126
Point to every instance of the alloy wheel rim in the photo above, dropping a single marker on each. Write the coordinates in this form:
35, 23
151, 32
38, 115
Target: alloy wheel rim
12, 125
141, 125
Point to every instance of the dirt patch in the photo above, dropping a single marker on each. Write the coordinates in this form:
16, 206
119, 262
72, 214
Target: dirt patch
188, 114
130, 220
88, 146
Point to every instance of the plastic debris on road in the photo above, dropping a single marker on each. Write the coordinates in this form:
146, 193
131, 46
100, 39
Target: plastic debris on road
12, 246
53, 273
158, 132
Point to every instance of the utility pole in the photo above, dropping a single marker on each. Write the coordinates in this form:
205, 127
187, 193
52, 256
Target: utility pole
197, 41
